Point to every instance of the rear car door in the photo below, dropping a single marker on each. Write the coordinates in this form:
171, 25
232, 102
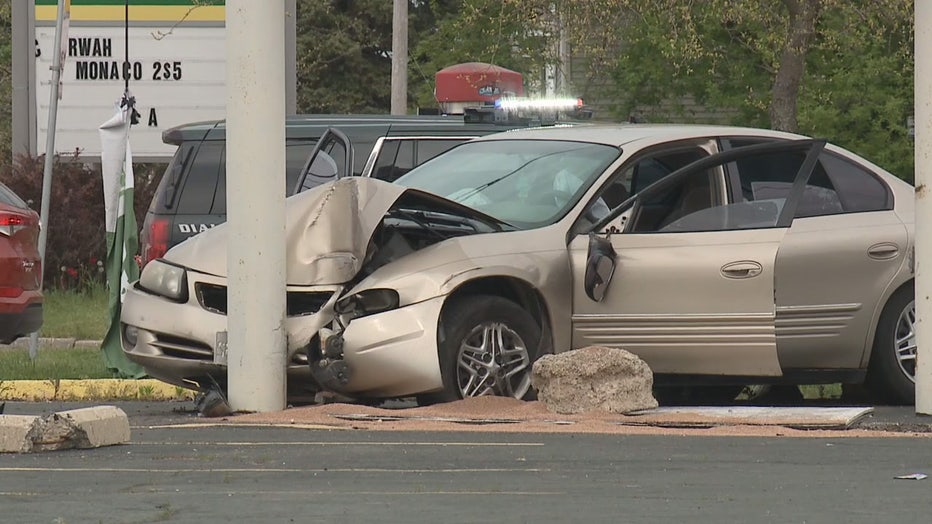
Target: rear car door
843, 249
693, 287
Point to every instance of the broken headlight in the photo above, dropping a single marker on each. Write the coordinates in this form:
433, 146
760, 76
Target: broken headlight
368, 302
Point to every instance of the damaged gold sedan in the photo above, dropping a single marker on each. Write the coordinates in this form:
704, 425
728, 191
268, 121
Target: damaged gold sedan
719, 255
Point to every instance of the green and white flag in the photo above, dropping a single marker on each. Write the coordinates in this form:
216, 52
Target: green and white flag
116, 161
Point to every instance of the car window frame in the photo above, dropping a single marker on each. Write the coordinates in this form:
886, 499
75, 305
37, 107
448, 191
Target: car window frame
708, 144
726, 143
814, 147
332, 134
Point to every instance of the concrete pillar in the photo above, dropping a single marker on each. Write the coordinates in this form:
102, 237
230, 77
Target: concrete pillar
255, 160
24, 77
400, 57
923, 102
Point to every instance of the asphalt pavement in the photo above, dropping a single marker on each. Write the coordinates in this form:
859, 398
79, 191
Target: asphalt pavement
175, 471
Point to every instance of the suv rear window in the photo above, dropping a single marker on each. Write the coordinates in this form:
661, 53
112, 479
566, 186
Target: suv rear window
296, 154
205, 187
200, 183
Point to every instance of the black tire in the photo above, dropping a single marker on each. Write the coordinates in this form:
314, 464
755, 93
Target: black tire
889, 378
462, 325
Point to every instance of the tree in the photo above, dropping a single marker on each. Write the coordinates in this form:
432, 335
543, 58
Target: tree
344, 52
6, 83
507, 33
833, 68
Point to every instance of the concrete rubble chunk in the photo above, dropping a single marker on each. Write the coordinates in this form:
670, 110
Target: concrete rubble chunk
13, 432
594, 378
73, 429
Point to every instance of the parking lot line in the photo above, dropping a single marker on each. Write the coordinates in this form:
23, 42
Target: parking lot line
272, 470
306, 443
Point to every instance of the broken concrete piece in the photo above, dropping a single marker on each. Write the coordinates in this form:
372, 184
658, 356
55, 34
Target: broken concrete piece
13, 431
77, 428
593, 378
100, 425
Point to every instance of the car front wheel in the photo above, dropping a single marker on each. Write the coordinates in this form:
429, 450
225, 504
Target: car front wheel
487, 346
892, 372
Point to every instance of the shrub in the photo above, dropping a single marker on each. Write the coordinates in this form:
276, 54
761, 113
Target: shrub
76, 239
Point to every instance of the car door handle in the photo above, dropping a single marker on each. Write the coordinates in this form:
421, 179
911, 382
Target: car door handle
883, 251
742, 269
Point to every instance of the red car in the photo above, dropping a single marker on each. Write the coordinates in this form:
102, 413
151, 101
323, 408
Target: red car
20, 268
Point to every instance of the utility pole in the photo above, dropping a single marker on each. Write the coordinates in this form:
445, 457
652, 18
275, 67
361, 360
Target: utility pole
291, 56
255, 135
24, 77
64, 7
400, 57
923, 161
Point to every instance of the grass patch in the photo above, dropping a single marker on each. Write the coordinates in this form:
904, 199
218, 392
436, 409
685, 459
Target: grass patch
821, 391
72, 314
50, 364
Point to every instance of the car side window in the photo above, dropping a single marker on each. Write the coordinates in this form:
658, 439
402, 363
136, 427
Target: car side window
396, 157
200, 184
677, 207
638, 175
765, 183
429, 148
858, 189
385, 162
836, 185
771, 177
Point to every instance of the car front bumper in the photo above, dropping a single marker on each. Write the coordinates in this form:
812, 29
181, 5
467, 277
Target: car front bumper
394, 353
184, 343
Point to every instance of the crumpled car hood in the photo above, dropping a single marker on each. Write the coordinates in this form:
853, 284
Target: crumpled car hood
327, 232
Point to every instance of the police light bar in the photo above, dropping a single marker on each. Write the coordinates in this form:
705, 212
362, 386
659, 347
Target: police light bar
538, 104
527, 111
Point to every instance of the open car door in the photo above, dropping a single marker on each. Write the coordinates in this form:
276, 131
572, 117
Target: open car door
331, 159
688, 285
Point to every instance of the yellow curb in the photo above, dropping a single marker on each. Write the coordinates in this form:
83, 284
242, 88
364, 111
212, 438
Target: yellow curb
98, 389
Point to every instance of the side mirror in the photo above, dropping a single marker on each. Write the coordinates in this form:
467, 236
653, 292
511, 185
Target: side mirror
600, 266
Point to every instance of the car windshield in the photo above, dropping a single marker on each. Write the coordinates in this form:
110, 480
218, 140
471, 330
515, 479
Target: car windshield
526, 183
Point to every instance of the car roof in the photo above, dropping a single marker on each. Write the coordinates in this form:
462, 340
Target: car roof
312, 126
618, 135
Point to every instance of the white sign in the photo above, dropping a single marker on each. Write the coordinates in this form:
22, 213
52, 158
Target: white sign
176, 76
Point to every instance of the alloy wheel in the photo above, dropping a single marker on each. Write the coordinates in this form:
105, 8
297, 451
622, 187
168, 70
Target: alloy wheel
905, 341
493, 360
